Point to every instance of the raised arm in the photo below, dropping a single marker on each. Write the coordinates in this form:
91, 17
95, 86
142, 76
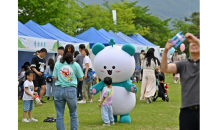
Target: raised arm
167, 68
192, 39
95, 89
130, 87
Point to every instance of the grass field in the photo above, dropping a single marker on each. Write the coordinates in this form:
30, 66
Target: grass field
158, 115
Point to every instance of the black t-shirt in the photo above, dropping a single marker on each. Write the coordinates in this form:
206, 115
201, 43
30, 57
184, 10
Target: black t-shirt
39, 64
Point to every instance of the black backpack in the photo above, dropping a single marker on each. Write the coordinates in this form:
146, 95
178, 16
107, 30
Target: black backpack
49, 79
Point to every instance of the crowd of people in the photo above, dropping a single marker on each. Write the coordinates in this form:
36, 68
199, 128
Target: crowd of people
71, 77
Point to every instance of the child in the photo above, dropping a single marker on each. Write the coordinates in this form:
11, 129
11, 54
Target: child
106, 103
28, 97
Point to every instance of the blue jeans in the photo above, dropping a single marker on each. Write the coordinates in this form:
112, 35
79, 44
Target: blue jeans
107, 113
79, 89
48, 88
61, 97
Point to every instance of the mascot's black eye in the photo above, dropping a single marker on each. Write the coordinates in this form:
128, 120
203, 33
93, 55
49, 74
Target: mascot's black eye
105, 67
113, 67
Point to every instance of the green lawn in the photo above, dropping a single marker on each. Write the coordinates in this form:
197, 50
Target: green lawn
158, 115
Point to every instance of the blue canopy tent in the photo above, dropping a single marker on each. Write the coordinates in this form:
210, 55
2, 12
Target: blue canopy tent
128, 39
108, 35
39, 30
24, 31
58, 33
141, 39
93, 36
118, 37
26, 56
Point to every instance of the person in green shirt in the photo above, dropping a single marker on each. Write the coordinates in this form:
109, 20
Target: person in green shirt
65, 73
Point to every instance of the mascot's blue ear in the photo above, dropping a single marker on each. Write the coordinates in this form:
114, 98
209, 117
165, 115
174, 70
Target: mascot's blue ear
97, 48
128, 48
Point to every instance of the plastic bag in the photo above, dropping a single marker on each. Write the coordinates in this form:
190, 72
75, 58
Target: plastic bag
37, 101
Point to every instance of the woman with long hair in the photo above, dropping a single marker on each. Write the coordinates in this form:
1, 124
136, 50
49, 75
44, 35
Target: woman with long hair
65, 73
148, 87
88, 76
50, 84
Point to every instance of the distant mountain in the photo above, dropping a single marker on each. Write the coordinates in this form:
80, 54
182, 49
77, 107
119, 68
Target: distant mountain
164, 9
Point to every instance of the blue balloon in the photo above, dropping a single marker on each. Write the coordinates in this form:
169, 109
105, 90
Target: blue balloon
172, 50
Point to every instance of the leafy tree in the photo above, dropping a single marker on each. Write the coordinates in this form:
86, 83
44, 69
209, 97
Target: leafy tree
195, 19
158, 29
63, 14
95, 16
193, 28
125, 17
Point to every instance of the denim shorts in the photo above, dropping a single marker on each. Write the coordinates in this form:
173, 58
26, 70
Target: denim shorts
27, 105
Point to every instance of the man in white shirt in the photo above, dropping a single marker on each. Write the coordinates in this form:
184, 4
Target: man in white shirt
60, 53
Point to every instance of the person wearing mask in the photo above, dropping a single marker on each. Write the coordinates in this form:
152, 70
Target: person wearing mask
65, 73
50, 84
79, 59
37, 66
189, 118
60, 52
148, 87
175, 58
88, 76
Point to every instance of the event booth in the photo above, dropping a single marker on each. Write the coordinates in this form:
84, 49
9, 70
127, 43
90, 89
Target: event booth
32, 37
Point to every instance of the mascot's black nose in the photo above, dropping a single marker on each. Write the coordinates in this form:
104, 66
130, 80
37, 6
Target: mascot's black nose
109, 72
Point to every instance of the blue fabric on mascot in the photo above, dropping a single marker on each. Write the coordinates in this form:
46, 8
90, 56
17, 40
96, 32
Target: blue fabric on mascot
118, 63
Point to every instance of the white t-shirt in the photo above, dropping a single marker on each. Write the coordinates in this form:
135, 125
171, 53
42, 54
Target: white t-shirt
183, 56
87, 60
30, 87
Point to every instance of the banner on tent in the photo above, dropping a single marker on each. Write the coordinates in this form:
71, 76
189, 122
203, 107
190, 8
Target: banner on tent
32, 43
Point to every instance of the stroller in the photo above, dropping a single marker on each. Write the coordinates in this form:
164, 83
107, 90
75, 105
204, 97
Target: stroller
136, 75
161, 92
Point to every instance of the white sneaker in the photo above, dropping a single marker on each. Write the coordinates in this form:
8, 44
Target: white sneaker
25, 120
90, 101
106, 124
33, 120
175, 81
112, 123
82, 101
99, 100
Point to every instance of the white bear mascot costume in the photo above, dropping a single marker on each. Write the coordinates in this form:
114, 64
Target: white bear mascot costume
119, 64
